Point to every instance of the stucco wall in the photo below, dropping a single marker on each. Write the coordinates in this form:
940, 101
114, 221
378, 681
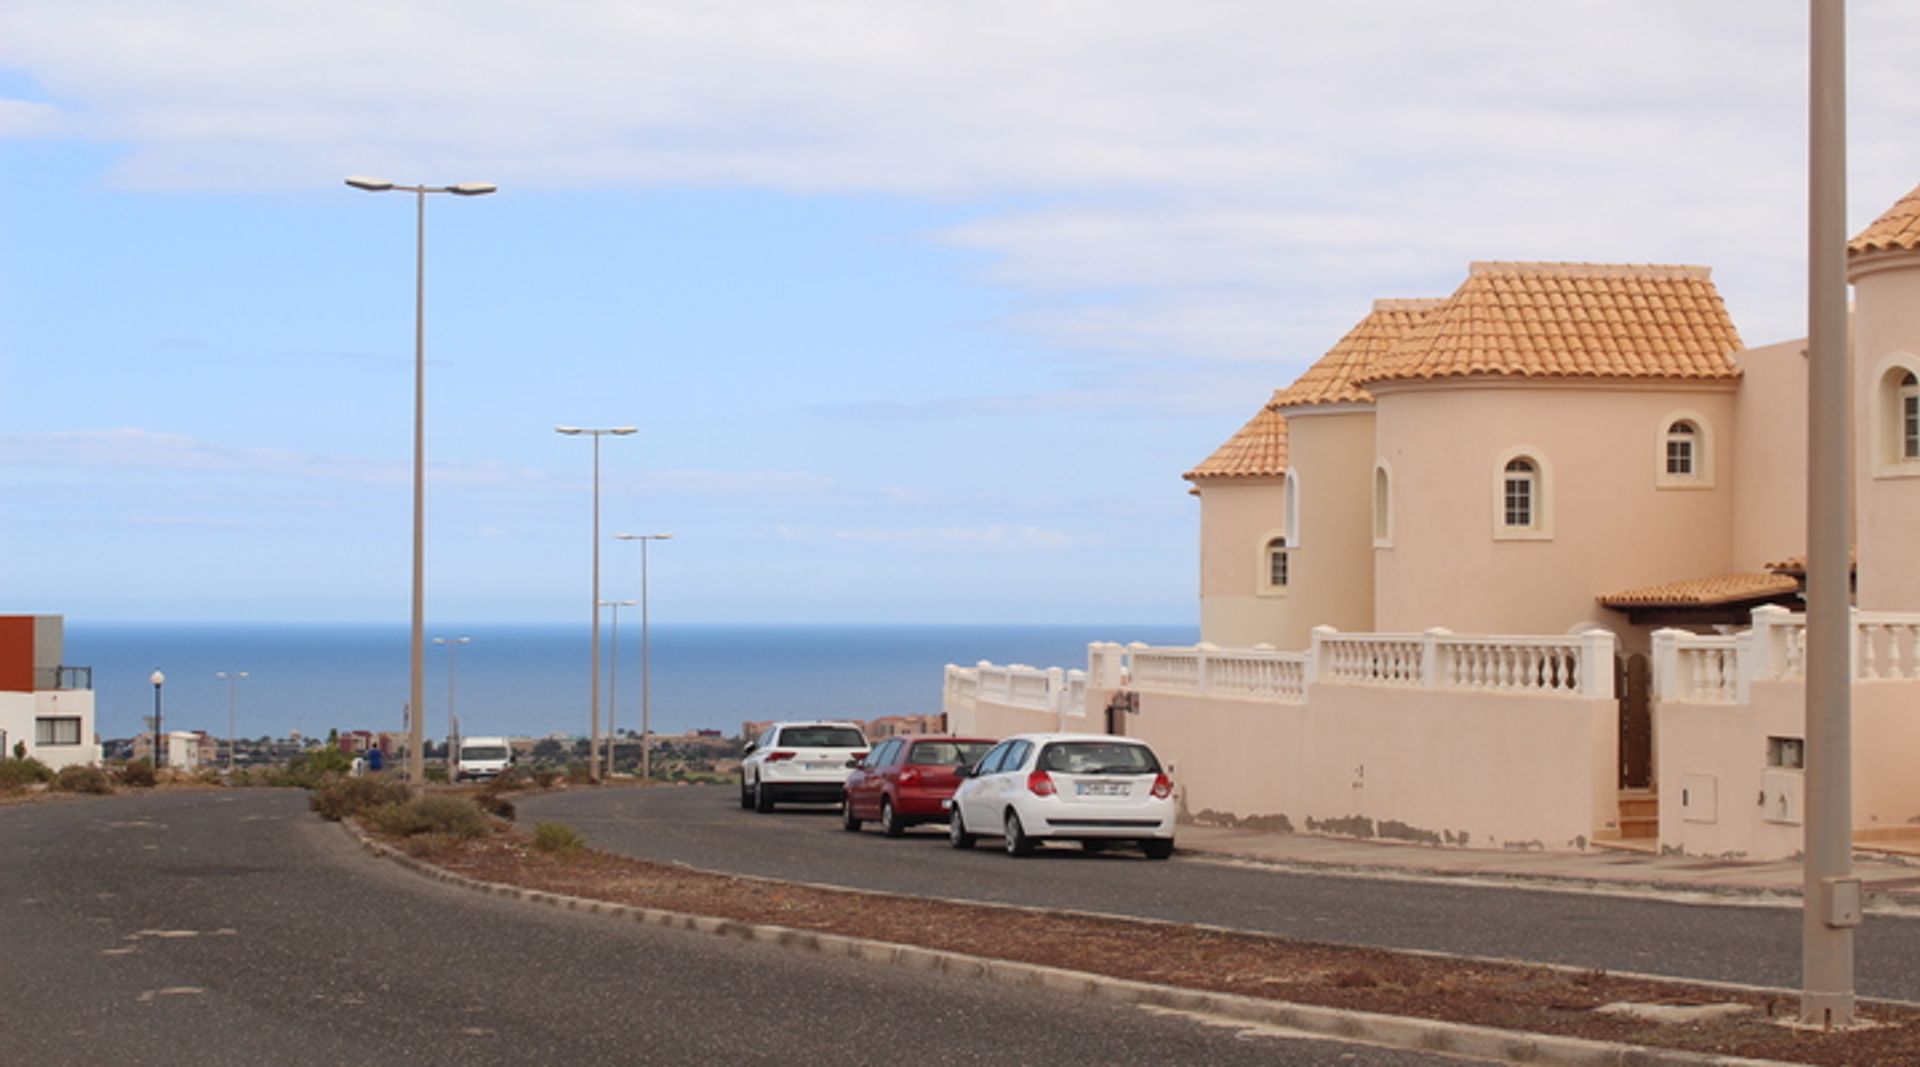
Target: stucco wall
1332, 456
1722, 749
1484, 770
19, 710
1769, 457
1886, 329
1237, 517
1612, 526
987, 718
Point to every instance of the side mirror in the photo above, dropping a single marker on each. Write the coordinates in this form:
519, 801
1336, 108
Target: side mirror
963, 771
748, 751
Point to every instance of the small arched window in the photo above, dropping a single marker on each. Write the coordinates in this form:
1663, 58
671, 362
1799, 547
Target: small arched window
1910, 417
1683, 450
1521, 494
1277, 563
1382, 506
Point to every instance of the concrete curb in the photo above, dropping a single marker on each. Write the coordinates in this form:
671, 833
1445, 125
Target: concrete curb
1425, 1035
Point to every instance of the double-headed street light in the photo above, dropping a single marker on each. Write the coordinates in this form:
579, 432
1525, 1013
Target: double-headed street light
453, 722
593, 744
613, 678
416, 761
232, 678
646, 658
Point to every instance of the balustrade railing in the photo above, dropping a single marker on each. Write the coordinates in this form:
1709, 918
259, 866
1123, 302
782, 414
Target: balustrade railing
1722, 668
1052, 690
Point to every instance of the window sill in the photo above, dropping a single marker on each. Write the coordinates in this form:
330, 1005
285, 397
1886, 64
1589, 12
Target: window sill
1890, 471
1505, 534
1683, 483
1272, 591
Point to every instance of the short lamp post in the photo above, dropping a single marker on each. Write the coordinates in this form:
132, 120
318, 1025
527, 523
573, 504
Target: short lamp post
593, 744
613, 677
159, 747
232, 678
646, 658
416, 762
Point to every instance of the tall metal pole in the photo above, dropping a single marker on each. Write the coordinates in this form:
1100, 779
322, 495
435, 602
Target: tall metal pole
417, 654
417, 651
159, 746
646, 675
613, 678
1830, 893
453, 729
593, 743
232, 678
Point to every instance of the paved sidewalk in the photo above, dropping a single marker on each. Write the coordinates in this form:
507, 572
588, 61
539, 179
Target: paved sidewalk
1891, 871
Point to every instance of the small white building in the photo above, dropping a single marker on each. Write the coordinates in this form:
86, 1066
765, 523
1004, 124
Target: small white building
46, 706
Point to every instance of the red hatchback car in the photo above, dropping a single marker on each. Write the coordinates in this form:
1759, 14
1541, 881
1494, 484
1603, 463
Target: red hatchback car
907, 780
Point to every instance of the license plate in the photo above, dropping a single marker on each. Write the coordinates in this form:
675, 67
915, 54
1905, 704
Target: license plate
1101, 789
818, 766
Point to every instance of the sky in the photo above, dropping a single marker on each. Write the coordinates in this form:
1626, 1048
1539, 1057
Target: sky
920, 309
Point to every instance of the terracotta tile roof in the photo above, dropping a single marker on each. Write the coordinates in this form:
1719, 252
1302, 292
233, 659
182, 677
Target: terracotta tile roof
1258, 450
1571, 320
1796, 566
1331, 380
1898, 228
1703, 592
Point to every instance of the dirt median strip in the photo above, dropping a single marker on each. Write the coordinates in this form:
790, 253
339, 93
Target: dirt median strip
1509, 1012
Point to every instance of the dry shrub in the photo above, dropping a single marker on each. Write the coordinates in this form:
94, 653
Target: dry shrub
558, 838
457, 817
18, 773
340, 797
81, 779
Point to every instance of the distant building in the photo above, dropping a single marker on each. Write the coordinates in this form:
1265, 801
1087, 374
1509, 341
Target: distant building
45, 704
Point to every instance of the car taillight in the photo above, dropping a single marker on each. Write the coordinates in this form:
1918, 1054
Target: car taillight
775, 757
1040, 784
859, 755
1162, 787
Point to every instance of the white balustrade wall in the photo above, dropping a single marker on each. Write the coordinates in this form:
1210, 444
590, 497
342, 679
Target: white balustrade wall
1722, 668
1052, 690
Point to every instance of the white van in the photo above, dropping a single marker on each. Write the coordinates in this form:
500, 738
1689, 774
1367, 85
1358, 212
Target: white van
482, 757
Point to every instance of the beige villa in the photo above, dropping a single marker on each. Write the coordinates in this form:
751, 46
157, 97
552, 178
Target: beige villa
1521, 567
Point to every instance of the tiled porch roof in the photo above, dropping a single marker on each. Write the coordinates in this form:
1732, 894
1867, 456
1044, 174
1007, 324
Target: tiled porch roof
1796, 566
1897, 229
1332, 379
1257, 450
1703, 592
1571, 320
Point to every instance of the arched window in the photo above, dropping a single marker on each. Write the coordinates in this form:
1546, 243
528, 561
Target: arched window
1682, 450
1910, 417
1382, 506
1277, 562
1520, 495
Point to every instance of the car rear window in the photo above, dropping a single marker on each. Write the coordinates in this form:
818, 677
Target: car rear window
948, 753
822, 737
483, 752
1098, 757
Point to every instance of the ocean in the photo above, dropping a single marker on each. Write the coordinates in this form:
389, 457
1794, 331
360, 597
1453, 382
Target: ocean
533, 679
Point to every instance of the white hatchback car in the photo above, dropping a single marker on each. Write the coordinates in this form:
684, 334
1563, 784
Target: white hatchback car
800, 761
1091, 788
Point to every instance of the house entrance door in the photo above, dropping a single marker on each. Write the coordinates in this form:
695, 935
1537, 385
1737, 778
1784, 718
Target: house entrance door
1117, 709
1632, 687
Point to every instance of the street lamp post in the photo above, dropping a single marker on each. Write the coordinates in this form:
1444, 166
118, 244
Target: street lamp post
613, 678
453, 723
232, 678
416, 761
646, 658
593, 743
159, 747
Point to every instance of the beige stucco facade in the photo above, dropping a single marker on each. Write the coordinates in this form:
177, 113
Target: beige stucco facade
1237, 519
1331, 583
1608, 521
1886, 344
1769, 442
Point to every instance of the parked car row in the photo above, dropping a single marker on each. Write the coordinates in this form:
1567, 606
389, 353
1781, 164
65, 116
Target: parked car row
1027, 790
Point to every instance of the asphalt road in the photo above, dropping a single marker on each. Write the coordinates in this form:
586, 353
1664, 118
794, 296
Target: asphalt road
704, 827
227, 928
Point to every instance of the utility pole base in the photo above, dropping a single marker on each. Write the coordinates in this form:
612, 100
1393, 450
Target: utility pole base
1827, 1011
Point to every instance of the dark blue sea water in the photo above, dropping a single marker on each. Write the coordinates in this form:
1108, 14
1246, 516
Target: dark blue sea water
533, 680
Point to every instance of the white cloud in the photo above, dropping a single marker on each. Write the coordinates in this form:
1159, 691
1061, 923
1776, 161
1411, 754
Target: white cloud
1227, 180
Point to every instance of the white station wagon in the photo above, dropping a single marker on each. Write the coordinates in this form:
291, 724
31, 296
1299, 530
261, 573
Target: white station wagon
1091, 788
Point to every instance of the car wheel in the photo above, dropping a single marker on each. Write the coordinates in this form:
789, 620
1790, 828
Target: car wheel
890, 823
762, 799
1158, 848
746, 794
1018, 843
957, 834
847, 821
